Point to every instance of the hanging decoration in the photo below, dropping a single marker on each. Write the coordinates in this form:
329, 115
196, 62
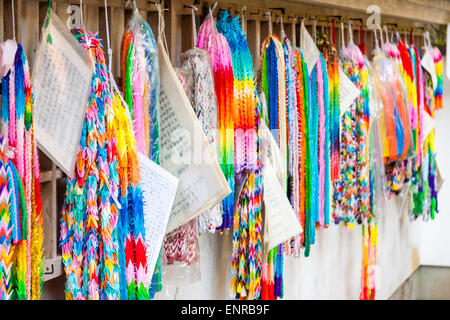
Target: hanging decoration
352, 197
181, 245
140, 86
104, 200
217, 46
247, 221
423, 182
13, 223
203, 100
273, 92
292, 247
303, 101
18, 133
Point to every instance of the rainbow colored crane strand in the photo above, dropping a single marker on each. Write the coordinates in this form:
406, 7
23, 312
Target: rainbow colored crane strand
302, 88
313, 136
80, 216
113, 268
273, 92
137, 281
331, 58
217, 46
439, 67
418, 192
18, 128
13, 218
140, 84
291, 247
247, 222
423, 181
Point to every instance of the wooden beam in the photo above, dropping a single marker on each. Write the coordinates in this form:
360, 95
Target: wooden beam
141, 4
434, 11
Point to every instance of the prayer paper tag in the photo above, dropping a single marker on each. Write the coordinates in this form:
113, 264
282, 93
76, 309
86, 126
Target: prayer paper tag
309, 48
185, 151
348, 92
428, 64
281, 222
428, 125
61, 80
159, 188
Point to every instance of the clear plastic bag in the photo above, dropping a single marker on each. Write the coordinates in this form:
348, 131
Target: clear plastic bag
204, 103
181, 252
394, 118
140, 83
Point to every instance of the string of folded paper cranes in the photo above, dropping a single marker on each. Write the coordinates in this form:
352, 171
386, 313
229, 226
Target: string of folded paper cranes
330, 151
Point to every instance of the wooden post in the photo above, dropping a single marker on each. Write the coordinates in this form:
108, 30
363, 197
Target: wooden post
30, 31
18, 20
257, 46
2, 26
92, 24
173, 31
117, 26
293, 34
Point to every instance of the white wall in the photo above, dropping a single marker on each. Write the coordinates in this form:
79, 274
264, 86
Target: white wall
435, 235
333, 269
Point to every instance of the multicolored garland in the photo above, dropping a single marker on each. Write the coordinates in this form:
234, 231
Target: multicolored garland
303, 101
114, 267
140, 85
13, 228
18, 129
217, 46
292, 247
247, 222
273, 92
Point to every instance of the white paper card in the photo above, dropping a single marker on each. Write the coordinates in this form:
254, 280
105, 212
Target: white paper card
273, 153
428, 64
61, 80
159, 188
281, 223
348, 92
428, 125
185, 151
309, 48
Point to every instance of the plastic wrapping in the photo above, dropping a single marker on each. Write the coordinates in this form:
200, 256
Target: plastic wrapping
394, 119
141, 87
140, 83
203, 100
180, 248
